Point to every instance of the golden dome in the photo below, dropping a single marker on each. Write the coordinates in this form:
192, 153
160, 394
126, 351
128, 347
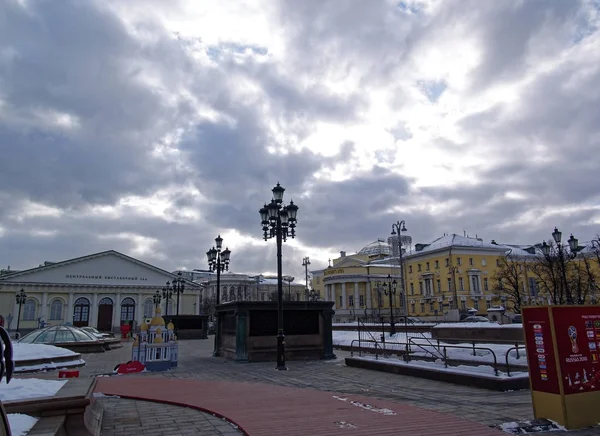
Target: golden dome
171, 326
157, 320
158, 340
144, 327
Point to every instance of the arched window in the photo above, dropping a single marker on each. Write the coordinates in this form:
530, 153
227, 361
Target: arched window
127, 309
231, 294
56, 310
240, 297
29, 310
148, 309
105, 301
81, 312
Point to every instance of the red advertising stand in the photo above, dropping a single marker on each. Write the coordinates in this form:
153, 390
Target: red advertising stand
563, 354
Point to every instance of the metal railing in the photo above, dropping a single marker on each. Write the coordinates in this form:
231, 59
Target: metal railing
379, 349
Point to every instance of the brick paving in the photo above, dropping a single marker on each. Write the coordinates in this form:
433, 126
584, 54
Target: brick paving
195, 362
123, 417
265, 409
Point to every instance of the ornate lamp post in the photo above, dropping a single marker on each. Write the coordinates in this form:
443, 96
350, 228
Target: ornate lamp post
397, 228
389, 288
562, 256
157, 298
167, 292
279, 222
218, 261
178, 288
305, 263
21, 297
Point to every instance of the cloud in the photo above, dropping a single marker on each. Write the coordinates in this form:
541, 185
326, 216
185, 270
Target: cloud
150, 128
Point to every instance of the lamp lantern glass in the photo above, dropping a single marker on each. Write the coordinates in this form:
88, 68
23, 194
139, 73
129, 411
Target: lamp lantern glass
573, 243
284, 216
292, 211
225, 255
557, 235
278, 191
545, 249
264, 214
219, 242
273, 210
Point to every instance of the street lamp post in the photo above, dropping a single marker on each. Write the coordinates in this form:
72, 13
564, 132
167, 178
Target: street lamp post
397, 228
21, 297
167, 292
389, 289
305, 263
279, 222
218, 261
178, 287
562, 256
157, 298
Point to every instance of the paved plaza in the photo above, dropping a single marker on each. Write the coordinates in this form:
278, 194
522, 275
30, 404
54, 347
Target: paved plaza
196, 362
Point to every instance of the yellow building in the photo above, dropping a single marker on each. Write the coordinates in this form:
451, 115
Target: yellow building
450, 277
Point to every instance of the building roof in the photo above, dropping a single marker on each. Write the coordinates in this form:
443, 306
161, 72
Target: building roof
454, 240
375, 248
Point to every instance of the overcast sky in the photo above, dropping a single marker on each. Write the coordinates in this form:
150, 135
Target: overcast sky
149, 127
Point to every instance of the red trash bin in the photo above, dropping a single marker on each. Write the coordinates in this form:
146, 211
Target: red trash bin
68, 373
125, 329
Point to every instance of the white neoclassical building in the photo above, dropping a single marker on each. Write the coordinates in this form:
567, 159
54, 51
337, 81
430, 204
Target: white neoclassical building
102, 290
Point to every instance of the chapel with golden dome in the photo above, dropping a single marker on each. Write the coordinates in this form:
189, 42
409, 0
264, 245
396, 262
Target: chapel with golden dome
156, 344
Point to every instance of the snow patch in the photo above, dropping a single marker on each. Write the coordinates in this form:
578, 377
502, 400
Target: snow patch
366, 406
101, 395
26, 388
24, 352
21, 424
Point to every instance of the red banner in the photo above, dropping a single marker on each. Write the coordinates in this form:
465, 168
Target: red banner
577, 330
540, 350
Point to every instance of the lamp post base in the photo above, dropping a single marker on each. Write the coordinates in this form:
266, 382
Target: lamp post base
281, 351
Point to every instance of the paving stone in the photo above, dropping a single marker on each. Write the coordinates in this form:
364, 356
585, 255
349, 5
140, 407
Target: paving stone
196, 362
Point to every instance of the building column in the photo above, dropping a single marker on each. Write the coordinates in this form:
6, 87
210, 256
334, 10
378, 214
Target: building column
198, 308
344, 297
369, 295
356, 296
70, 308
44, 308
117, 312
94, 309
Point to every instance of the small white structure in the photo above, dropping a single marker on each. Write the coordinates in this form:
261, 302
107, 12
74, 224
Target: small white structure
156, 345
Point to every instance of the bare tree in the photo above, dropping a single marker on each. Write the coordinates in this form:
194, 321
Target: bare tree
547, 273
509, 276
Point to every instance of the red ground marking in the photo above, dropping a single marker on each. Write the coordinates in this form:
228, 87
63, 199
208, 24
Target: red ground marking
261, 409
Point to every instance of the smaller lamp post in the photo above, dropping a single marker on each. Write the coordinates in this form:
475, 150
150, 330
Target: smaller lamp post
157, 298
389, 288
178, 287
305, 263
218, 261
167, 292
21, 297
562, 256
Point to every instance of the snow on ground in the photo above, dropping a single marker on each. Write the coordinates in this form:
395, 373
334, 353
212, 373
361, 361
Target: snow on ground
27, 352
26, 388
438, 365
20, 424
478, 325
39, 351
424, 346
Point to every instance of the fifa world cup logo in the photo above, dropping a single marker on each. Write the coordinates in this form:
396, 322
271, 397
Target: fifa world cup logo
573, 338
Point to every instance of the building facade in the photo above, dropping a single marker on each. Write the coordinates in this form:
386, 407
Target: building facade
452, 273
103, 290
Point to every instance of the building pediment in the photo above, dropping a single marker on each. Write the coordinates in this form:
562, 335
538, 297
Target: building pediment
107, 268
348, 262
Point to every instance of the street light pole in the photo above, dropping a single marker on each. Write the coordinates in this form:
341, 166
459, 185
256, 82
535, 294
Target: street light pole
218, 261
157, 297
397, 228
279, 222
389, 288
305, 263
167, 293
178, 287
21, 297
573, 249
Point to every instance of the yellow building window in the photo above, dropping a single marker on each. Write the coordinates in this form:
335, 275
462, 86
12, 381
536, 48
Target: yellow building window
410, 269
447, 262
461, 284
483, 262
458, 261
471, 261
427, 266
437, 264
419, 267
